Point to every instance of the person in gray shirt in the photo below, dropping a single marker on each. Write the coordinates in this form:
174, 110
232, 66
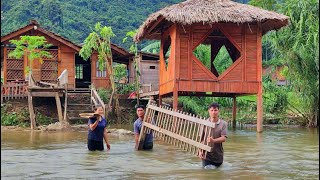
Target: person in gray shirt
219, 135
148, 141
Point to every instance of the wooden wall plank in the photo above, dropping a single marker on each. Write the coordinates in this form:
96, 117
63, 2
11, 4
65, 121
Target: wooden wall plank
219, 87
149, 75
167, 75
235, 74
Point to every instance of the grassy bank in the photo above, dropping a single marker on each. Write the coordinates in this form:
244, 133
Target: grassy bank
17, 114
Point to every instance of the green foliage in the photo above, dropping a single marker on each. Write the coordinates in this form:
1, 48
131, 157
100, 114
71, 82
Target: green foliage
133, 47
199, 105
222, 60
125, 88
98, 40
21, 117
9, 118
297, 46
203, 53
34, 47
104, 94
43, 120
275, 97
73, 19
120, 71
152, 48
266, 4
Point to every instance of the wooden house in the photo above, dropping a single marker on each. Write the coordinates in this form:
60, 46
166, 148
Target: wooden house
65, 56
276, 75
148, 65
218, 23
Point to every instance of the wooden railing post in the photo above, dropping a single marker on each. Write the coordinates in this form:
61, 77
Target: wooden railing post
234, 113
96, 100
1, 95
65, 103
31, 112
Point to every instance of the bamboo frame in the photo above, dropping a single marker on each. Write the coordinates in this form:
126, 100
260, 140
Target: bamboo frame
178, 128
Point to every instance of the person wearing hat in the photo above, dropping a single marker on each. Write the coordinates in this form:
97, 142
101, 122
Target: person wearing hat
97, 130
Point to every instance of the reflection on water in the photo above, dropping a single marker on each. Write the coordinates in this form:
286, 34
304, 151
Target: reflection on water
274, 154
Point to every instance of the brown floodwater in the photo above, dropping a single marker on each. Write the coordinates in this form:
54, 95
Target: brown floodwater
274, 154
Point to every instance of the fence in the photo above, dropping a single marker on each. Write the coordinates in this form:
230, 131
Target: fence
16, 90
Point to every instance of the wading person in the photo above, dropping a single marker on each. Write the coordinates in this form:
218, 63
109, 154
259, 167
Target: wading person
219, 135
97, 130
148, 141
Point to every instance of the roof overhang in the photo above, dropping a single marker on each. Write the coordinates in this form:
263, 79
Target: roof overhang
35, 26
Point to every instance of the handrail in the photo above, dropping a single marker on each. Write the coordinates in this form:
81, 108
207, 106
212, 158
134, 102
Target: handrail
96, 100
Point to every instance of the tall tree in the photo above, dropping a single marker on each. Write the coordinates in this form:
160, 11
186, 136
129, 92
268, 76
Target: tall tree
134, 49
99, 40
33, 47
52, 13
297, 47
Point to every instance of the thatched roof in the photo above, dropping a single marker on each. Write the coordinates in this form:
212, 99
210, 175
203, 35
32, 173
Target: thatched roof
208, 12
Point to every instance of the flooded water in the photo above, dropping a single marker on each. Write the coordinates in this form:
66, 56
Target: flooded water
274, 154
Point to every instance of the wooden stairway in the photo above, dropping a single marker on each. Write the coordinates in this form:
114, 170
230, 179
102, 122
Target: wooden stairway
78, 102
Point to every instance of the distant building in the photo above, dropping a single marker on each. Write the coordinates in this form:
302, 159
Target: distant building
276, 75
65, 55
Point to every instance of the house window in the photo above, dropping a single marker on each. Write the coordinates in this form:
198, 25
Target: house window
79, 71
100, 73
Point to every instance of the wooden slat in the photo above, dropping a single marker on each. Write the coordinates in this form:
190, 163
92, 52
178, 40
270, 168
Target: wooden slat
178, 128
183, 132
45, 94
189, 118
166, 124
180, 131
179, 137
96, 97
142, 134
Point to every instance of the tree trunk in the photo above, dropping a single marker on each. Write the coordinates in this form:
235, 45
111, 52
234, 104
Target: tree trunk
109, 104
117, 108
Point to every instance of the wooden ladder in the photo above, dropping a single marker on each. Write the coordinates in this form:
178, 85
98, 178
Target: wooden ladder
185, 131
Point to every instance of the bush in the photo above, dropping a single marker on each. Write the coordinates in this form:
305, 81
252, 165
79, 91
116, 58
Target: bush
104, 94
44, 120
21, 117
125, 88
9, 119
